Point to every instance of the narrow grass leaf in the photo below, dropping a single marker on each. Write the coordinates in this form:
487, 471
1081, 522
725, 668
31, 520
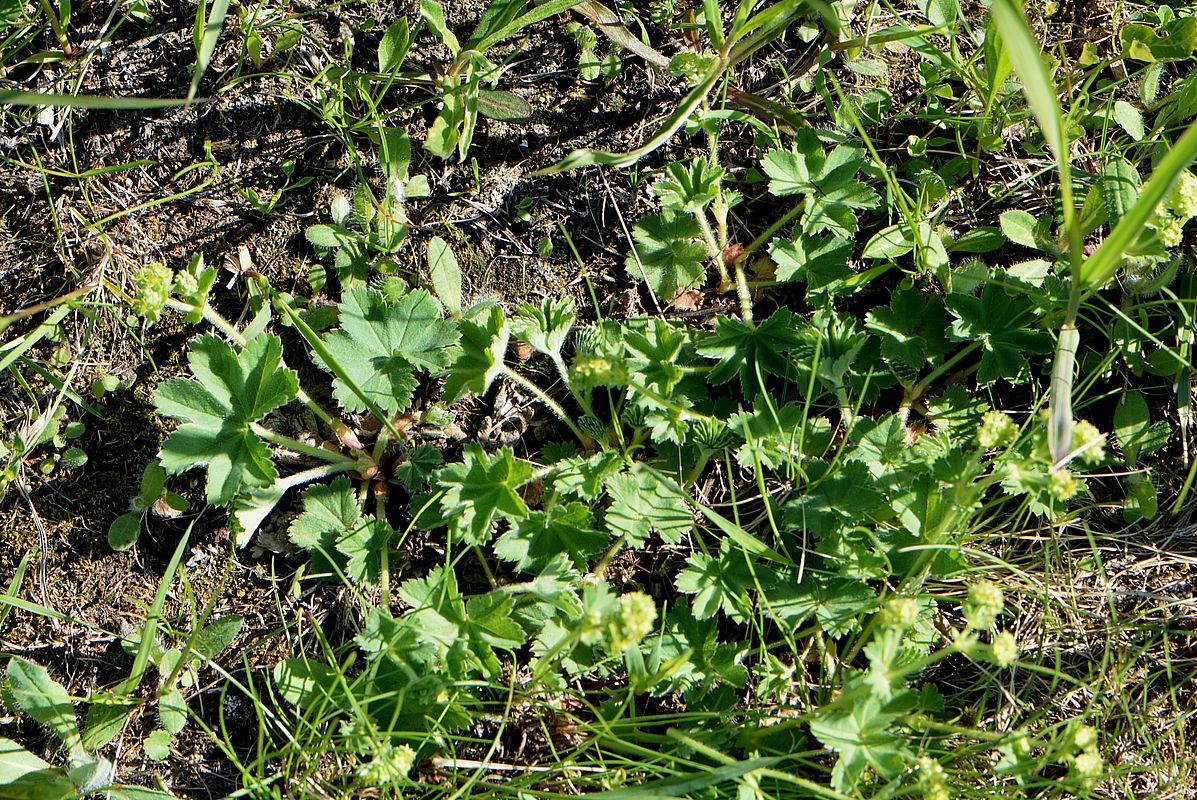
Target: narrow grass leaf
149, 630
1099, 267
207, 43
673, 123
686, 785
1038, 86
543, 11
18, 97
609, 24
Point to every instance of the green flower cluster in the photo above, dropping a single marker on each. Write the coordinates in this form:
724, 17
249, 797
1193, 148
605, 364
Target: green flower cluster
1179, 207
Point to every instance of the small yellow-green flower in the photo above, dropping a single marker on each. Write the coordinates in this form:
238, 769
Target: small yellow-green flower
1089, 764
1062, 485
634, 620
1088, 443
153, 283
933, 781
984, 605
1169, 228
1183, 200
997, 430
1005, 649
900, 612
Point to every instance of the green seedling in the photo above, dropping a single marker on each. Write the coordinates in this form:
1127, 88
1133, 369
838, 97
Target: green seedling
460, 84
151, 497
176, 667
366, 232
267, 205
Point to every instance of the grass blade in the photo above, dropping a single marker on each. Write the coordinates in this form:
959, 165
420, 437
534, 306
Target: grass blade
673, 124
1041, 93
549, 9
1101, 266
207, 44
18, 97
149, 630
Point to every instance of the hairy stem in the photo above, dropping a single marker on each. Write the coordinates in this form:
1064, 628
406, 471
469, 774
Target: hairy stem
549, 402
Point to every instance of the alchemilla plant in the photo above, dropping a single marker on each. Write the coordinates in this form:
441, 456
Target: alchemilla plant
755, 533
842, 509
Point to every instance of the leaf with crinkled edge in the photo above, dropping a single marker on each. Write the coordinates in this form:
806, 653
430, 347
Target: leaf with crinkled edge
535, 542
231, 390
911, 328
481, 359
363, 546
643, 502
832, 193
482, 488
546, 327
751, 352
821, 261
668, 256
1003, 325
860, 733
329, 512
381, 346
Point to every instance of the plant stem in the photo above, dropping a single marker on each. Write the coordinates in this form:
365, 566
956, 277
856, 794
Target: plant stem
56, 25
300, 447
684, 413
763, 239
713, 250
744, 293
580, 397
700, 464
549, 402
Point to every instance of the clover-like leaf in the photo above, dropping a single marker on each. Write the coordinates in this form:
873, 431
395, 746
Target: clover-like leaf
860, 733
775, 437
668, 255
884, 447
481, 488
231, 390
481, 359
419, 466
381, 346
363, 546
720, 584
836, 603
